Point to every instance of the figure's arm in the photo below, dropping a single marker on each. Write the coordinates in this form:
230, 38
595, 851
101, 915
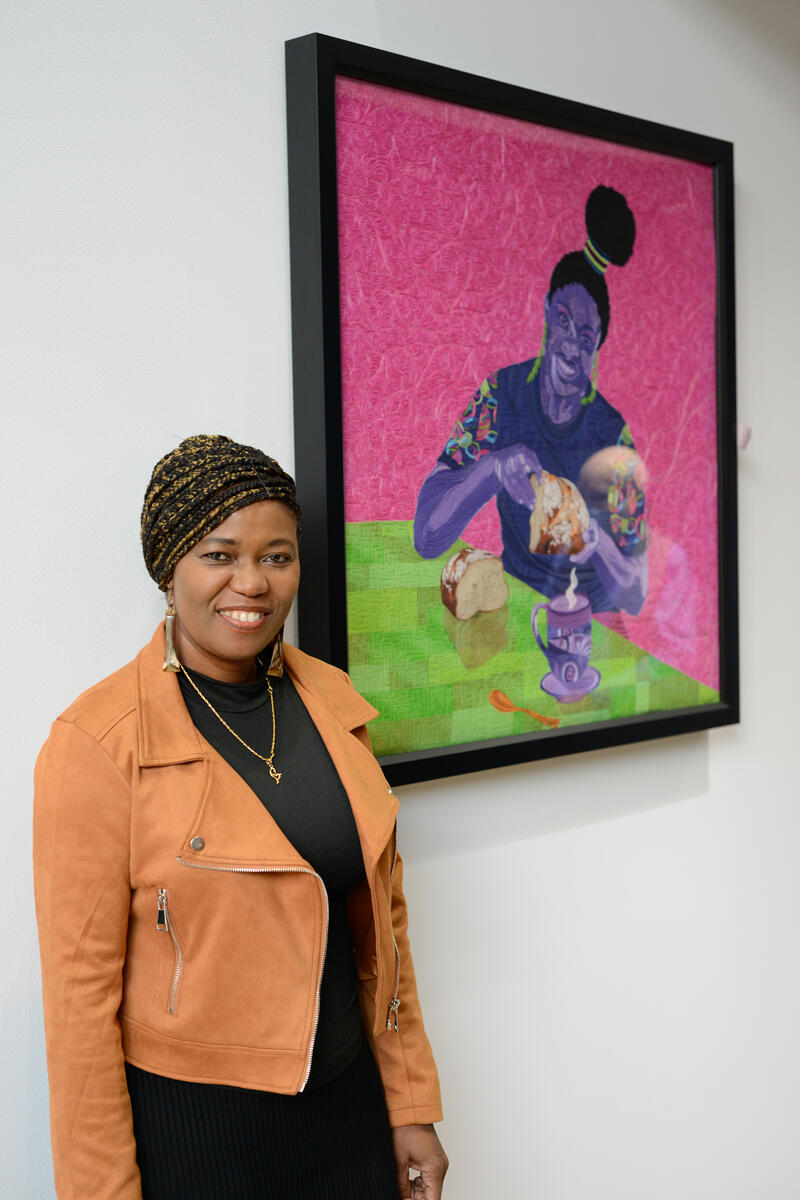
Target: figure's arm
450, 497
82, 879
624, 576
615, 542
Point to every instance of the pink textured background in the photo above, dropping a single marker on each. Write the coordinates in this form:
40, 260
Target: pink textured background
450, 223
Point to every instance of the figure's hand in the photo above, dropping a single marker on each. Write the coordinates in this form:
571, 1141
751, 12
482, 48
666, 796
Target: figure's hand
515, 465
591, 537
417, 1147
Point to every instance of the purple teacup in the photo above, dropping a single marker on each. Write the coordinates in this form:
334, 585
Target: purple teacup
568, 648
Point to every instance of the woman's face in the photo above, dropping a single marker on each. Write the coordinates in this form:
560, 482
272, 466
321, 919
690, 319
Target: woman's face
573, 336
234, 589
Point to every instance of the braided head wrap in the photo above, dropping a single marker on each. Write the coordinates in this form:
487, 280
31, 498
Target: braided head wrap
195, 487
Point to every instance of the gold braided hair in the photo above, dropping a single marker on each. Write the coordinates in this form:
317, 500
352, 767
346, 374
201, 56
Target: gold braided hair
195, 487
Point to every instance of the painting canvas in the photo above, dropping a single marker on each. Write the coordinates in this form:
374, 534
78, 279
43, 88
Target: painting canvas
529, 389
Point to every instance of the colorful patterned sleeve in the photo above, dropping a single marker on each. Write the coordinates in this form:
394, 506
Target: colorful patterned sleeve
626, 515
475, 433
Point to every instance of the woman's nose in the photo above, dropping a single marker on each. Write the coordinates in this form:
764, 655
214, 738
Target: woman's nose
250, 580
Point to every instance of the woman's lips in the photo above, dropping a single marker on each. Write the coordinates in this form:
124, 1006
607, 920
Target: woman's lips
567, 369
244, 619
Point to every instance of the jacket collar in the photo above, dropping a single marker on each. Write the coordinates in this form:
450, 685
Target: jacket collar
167, 733
227, 814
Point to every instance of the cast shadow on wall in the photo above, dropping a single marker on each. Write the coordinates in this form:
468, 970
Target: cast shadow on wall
468, 813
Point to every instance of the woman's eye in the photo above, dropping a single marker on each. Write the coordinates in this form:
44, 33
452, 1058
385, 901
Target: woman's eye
216, 555
277, 560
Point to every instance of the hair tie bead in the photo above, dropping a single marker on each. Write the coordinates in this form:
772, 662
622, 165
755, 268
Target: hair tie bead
595, 257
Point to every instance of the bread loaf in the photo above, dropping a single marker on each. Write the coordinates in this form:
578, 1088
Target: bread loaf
473, 581
558, 517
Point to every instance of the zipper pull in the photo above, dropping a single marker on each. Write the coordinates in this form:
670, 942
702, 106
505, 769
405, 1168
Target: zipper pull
161, 919
393, 1007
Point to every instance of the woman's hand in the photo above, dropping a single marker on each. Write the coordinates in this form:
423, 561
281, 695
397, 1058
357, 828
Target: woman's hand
591, 538
514, 466
417, 1147
623, 576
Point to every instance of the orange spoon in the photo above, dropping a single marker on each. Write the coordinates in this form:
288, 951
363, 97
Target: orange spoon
501, 702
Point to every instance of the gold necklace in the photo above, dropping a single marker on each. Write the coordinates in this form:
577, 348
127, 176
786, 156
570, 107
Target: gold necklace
265, 758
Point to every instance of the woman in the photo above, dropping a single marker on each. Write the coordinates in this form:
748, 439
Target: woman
547, 414
221, 916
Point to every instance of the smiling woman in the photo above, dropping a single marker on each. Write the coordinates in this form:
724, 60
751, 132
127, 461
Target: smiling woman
230, 1003
546, 415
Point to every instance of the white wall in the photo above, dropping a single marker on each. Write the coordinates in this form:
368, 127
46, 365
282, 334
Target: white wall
607, 944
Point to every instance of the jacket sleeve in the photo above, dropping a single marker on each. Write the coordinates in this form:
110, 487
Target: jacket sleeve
82, 883
405, 1060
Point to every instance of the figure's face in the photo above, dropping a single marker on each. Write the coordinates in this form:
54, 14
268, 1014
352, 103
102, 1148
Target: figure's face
234, 589
573, 336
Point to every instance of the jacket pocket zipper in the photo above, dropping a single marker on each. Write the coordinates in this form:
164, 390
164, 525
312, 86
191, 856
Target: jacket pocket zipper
164, 924
284, 871
394, 1003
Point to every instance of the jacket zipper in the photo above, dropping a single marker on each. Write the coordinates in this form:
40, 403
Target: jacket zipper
164, 925
394, 1003
284, 871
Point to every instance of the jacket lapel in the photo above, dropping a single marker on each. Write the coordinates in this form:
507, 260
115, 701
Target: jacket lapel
374, 806
235, 827
166, 731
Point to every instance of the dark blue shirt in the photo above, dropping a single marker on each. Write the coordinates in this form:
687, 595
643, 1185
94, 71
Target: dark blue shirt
506, 410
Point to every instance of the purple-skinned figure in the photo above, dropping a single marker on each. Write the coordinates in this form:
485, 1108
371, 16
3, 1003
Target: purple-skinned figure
546, 414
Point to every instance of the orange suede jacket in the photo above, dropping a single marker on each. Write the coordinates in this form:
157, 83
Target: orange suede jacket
180, 930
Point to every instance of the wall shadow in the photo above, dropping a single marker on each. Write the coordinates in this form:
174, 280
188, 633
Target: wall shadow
468, 813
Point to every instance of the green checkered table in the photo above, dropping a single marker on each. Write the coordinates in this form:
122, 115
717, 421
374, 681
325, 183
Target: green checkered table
430, 675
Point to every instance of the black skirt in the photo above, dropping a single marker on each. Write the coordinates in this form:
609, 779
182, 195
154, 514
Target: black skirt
197, 1141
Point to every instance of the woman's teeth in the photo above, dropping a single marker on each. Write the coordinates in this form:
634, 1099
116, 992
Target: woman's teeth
237, 614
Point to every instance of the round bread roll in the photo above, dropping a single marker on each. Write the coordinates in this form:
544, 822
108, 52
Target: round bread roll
558, 517
473, 581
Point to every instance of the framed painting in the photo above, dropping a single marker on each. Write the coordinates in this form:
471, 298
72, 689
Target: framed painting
514, 397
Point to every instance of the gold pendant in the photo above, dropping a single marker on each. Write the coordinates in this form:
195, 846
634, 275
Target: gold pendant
276, 775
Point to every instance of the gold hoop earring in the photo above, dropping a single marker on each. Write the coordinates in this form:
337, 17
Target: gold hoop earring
171, 662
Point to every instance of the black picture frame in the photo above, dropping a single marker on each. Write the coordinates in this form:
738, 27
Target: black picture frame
313, 63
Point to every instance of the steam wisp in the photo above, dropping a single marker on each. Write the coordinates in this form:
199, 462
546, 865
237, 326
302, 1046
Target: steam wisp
570, 592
